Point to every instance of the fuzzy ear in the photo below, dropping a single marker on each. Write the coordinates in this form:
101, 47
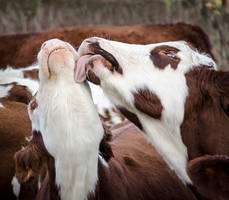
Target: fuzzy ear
210, 176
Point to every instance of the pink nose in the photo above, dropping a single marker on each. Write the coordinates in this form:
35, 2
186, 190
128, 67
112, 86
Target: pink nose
53, 43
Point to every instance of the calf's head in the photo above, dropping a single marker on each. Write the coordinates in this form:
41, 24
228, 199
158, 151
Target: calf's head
129, 72
56, 57
105, 59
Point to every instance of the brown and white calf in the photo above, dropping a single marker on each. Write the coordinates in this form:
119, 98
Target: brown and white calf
179, 98
15, 128
16, 89
64, 116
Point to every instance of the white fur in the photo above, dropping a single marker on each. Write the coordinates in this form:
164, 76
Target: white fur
16, 186
1, 105
71, 130
28, 139
4, 90
39, 182
168, 84
103, 103
103, 161
10, 75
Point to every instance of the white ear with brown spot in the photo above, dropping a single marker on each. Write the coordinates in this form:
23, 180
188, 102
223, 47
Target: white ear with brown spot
44, 65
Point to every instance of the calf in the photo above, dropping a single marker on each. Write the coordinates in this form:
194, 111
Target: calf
64, 115
179, 98
14, 130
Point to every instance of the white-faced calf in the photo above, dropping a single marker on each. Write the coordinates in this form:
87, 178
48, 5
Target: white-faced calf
179, 98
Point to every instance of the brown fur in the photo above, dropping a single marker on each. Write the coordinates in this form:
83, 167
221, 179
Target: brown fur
112, 64
206, 119
211, 175
136, 171
148, 103
32, 74
34, 161
165, 55
18, 93
14, 127
20, 50
131, 116
93, 78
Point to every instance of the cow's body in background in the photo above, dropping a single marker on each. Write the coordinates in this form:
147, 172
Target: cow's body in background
20, 50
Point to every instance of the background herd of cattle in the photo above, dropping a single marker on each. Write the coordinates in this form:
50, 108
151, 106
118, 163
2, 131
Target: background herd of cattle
20, 51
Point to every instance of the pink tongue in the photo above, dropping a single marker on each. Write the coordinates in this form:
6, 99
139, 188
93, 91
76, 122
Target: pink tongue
80, 74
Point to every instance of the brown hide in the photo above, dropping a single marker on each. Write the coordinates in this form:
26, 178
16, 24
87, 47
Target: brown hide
206, 120
20, 50
136, 170
10, 45
211, 175
205, 130
14, 127
18, 93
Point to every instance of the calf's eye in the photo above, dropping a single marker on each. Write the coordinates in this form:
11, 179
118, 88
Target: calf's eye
171, 56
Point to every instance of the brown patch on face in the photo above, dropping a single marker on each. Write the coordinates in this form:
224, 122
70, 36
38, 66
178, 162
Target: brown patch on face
148, 103
96, 49
108, 65
165, 55
92, 77
33, 74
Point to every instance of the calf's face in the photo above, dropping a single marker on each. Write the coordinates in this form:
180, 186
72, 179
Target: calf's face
57, 60
106, 59
148, 80
120, 67
56, 57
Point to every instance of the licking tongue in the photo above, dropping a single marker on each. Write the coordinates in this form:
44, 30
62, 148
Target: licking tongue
80, 73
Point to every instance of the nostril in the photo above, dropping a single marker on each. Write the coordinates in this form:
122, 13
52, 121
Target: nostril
43, 45
88, 41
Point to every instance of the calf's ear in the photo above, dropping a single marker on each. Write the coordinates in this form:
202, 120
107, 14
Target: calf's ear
210, 175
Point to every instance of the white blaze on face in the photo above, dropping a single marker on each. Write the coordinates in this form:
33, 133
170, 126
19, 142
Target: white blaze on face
160, 69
